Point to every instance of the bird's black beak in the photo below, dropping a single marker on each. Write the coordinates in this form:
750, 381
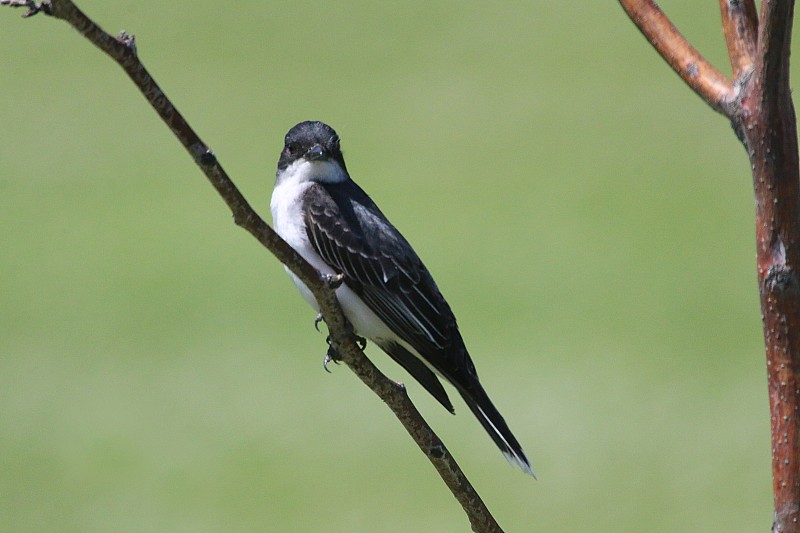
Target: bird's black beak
315, 152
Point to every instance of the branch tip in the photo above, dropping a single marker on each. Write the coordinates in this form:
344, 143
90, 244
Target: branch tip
127, 39
33, 7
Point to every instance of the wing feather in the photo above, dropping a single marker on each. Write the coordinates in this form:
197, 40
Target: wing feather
351, 234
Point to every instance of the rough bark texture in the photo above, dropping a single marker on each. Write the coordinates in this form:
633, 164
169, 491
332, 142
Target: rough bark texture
769, 132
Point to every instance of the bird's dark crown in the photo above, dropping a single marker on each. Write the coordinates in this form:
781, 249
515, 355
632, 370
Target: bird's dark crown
311, 140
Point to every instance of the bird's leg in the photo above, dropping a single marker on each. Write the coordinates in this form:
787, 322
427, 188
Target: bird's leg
333, 281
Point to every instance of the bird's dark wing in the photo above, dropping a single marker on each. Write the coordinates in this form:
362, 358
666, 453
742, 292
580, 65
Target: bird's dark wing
352, 235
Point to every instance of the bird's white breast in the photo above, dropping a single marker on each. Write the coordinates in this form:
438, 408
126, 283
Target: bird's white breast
287, 217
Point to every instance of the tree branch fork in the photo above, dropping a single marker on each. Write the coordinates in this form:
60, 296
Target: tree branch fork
739, 21
122, 49
758, 103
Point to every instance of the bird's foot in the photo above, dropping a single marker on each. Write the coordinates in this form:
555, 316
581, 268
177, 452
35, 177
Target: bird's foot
330, 355
333, 355
333, 281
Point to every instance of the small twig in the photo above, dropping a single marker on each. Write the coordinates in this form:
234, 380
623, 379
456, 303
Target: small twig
740, 24
128, 39
33, 7
708, 82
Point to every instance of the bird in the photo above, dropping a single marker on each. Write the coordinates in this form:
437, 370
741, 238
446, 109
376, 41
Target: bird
386, 292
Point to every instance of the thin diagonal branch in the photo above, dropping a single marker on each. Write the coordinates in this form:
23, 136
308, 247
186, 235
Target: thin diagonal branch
122, 50
708, 82
740, 24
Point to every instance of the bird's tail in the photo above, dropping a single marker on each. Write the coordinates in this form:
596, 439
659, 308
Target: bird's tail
492, 421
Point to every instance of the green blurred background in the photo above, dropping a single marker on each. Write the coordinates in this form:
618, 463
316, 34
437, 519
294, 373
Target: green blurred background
588, 217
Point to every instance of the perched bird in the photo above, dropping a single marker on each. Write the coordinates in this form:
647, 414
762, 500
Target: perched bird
387, 294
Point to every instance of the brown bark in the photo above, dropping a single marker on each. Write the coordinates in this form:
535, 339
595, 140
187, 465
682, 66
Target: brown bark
740, 23
708, 82
759, 106
769, 130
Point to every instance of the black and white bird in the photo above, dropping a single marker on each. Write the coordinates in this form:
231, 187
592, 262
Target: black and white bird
387, 294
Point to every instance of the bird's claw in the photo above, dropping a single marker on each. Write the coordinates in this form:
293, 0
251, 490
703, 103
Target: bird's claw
333, 281
331, 355
328, 358
317, 320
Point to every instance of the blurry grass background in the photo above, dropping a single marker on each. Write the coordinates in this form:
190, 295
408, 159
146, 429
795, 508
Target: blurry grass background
588, 217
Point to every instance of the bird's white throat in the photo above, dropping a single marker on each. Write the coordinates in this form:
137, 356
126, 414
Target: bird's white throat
320, 171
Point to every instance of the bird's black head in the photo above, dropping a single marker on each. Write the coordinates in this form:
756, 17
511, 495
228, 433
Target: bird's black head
311, 140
